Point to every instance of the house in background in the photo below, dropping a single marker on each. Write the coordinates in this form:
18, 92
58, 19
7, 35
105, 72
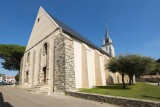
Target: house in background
2, 77
7, 79
10, 79
148, 78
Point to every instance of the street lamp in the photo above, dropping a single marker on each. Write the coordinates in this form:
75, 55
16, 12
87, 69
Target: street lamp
157, 78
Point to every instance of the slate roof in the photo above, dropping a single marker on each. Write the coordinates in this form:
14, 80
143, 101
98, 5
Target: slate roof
66, 29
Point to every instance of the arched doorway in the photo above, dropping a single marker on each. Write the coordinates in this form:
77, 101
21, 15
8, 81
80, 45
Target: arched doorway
26, 76
45, 75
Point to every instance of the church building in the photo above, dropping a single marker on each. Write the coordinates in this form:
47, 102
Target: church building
63, 60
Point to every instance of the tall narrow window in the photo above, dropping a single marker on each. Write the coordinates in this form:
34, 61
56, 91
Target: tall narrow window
45, 49
28, 58
38, 19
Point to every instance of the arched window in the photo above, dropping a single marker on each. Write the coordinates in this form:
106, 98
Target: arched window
28, 58
26, 76
38, 19
45, 49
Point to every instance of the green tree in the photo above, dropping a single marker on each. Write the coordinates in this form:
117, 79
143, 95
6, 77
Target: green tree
131, 65
117, 65
158, 60
17, 77
138, 65
11, 55
157, 68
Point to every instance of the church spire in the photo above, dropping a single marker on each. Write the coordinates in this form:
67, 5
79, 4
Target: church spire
107, 39
106, 33
107, 43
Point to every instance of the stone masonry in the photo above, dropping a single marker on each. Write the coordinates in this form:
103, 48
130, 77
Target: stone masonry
64, 64
69, 65
124, 102
20, 74
59, 64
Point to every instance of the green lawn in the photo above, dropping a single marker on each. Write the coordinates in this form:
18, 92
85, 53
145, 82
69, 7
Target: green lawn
138, 90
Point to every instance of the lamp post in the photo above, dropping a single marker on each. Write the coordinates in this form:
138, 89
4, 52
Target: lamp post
157, 78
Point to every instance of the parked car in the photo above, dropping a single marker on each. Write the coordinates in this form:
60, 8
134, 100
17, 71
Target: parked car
7, 83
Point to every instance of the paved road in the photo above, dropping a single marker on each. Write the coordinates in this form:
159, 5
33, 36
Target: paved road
15, 97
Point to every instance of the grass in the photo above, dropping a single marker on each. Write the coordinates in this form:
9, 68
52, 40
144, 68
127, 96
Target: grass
138, 91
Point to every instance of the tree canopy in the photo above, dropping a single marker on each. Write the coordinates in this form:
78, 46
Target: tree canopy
17, 77
158, 60
157, 67
11, 55
117, 65
131, 65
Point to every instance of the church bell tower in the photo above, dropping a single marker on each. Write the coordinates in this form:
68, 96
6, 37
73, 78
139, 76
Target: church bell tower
107, 44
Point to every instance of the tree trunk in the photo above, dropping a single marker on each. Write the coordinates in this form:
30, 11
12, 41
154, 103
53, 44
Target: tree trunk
124, 85
132, 80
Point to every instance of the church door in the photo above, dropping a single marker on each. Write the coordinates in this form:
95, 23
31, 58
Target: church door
44, 71
26, 80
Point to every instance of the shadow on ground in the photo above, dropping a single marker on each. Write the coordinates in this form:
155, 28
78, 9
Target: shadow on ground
2, 103
114, 87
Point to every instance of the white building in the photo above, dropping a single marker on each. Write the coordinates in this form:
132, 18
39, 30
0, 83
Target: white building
10, 79
60, 58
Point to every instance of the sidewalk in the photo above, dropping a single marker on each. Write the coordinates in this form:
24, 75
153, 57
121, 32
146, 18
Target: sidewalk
155, 84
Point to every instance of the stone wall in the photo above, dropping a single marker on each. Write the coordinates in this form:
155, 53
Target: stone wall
64, 73
33, 69
39, 66
127, 102
59, 64
69, 64
21, 71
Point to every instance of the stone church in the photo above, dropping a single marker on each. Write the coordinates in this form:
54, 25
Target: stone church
61, 59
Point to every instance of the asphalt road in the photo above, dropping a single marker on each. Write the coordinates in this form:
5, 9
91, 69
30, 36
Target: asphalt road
16, 97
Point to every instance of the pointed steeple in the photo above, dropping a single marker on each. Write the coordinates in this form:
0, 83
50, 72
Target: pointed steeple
107, 43
106, 33
107, 39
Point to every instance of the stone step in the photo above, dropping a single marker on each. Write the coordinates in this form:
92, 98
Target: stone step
30, 89
43, 89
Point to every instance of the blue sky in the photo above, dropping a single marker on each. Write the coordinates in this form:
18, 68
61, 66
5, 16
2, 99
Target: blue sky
134, 25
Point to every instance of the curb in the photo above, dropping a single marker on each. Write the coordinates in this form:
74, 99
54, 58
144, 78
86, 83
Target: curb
127, 102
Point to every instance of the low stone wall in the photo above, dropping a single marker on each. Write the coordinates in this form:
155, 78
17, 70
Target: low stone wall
127, 102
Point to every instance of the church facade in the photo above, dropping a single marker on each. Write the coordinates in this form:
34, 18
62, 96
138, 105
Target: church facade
60, 58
